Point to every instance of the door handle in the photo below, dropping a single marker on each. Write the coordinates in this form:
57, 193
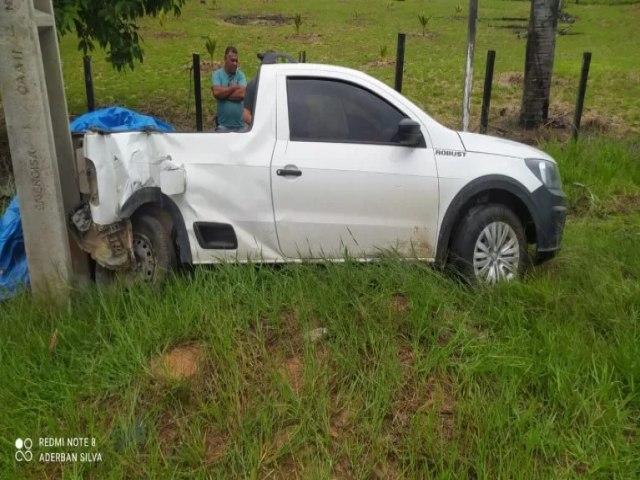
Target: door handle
288, 172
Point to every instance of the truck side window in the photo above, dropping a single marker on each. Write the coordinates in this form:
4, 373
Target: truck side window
325, 110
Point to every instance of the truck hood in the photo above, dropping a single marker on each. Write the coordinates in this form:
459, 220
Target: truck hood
474, 142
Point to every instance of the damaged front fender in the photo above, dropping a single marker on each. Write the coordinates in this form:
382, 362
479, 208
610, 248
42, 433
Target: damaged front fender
109, 245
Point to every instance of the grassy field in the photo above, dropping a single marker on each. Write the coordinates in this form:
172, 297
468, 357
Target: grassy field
356, 33
218, 374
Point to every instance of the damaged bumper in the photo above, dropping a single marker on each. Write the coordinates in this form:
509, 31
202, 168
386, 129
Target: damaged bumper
109, 245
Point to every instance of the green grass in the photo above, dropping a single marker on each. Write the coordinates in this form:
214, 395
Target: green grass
419, 376
600, 176
332, 33
607, 167
537, 378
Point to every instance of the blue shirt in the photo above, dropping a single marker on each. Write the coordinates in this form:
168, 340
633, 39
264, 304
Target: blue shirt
229, 113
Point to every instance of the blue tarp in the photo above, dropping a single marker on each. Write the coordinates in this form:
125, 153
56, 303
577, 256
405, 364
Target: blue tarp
14, 272
118, 119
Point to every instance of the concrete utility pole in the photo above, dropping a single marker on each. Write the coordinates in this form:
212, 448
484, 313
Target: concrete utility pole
41, 151
468, 72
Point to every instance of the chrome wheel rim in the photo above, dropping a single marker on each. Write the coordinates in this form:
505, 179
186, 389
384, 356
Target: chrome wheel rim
496, 255
146, 262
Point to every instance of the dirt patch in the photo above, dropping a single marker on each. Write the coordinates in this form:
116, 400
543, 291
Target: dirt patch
215, 446
166, 35
437, 395
516, 28
208, 66
596, 122
581, 469
509, 19
292, 371
263, 20
282, 438
304, 37
509, 79
558, 125
342, 469
634, 77
340, 424
624, 204
521, 29
426, 35
380, 63
180, 363
444, 336
358, 22
400, 303
168, 433
265, 329
53, 470
288, 468
387, 471
290, 319
406, 358
283, 349
287, 326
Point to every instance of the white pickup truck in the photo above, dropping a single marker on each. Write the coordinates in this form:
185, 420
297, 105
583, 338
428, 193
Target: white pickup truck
335, 164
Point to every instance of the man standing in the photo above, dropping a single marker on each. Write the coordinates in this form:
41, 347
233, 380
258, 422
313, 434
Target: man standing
228, 86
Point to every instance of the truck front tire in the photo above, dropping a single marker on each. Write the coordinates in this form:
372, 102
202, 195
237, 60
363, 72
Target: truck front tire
490, 245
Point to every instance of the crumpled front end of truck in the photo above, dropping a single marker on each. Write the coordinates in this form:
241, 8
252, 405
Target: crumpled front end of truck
109, 245
111, 169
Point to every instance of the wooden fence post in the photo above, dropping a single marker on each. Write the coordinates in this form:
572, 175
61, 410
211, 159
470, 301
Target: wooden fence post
400, 62
486, 96
582, 90
197, 89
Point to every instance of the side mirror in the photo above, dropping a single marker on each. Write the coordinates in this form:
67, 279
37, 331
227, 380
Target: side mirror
409, 133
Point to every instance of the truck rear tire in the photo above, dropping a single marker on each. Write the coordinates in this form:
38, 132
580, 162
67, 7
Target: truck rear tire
153, 250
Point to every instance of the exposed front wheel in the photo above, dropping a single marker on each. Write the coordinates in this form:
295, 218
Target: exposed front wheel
153, 251
490, 245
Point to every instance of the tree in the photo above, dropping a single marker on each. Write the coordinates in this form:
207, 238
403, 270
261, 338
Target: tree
538, 67
112, 24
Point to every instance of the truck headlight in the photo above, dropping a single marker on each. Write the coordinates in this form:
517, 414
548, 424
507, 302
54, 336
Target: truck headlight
546, 171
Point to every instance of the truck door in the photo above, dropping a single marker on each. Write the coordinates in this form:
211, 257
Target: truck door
341, 184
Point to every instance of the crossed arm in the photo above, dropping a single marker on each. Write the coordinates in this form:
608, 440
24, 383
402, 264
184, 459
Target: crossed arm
233, 93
